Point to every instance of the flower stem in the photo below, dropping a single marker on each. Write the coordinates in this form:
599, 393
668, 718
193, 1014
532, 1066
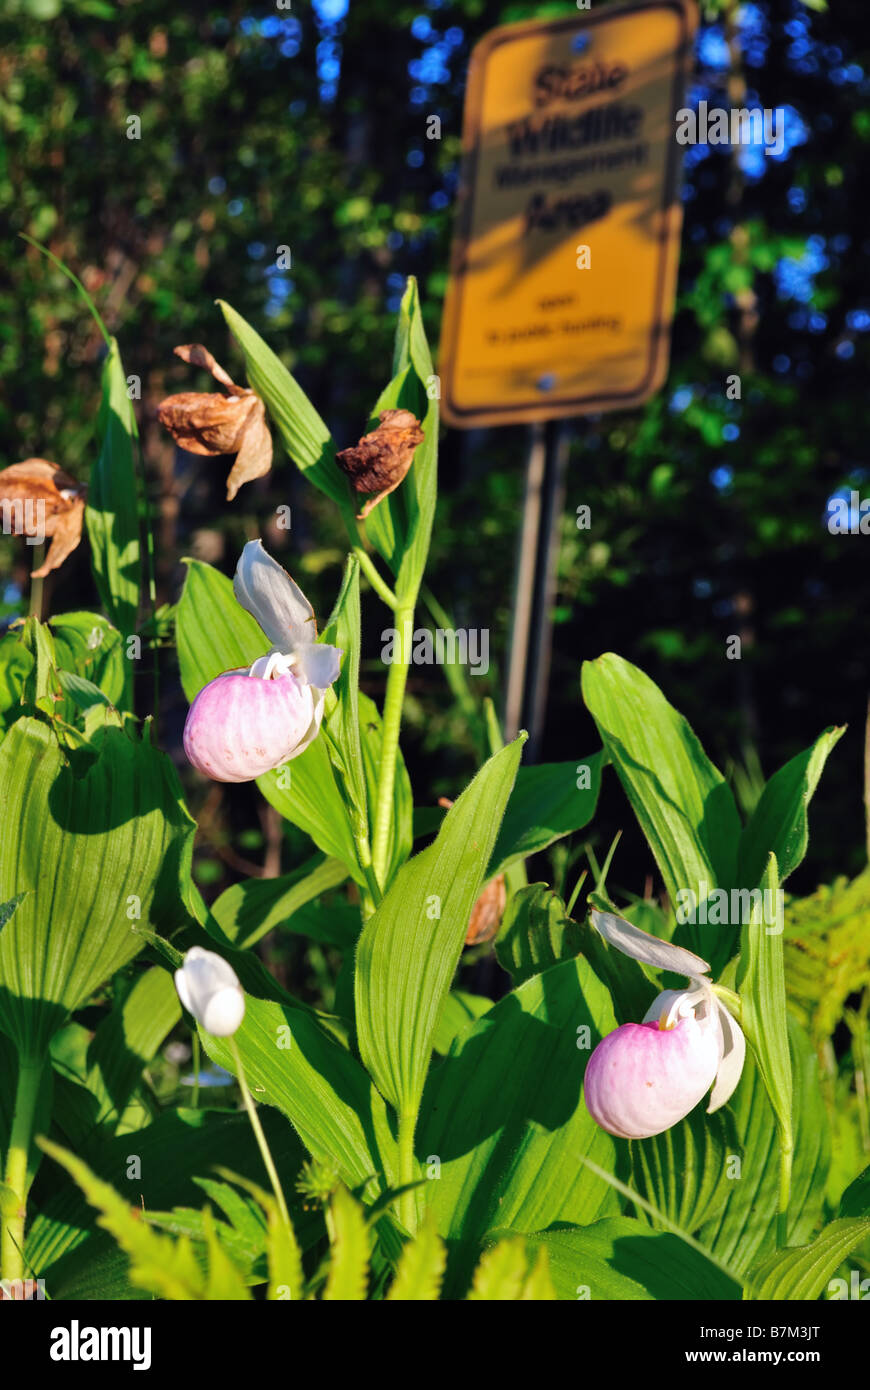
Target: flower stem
15, 1177
259, 1135
372, 574
395, 695
407, 1205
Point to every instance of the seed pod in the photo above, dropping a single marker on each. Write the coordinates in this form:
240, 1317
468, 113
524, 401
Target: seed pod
379, 462
487, 912
206, 422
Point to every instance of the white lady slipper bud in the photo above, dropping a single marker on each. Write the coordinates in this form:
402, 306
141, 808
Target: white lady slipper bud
248, 721
645, 1077
209, 988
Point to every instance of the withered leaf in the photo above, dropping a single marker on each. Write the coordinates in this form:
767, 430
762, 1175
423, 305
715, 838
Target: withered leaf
379, 462
38, 498
210, 423
487, 912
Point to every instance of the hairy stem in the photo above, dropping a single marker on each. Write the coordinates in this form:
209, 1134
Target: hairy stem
259, 1135
786, 1149
407, 1205
396, 681
15, 1177
372, 574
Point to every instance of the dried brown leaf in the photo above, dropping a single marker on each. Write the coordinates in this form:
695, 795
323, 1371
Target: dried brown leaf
209, 423
37, 496
379, 462
487, 912
199, 356
254, 458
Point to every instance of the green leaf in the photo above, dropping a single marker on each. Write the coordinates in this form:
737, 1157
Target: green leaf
684, 1172
855, 1201
306, 438
509, 1147
400, 526
349, 1266
621, 1258
409, 949
546, 803
128, 1040
83, 693
112, 513
505, 1274
804, 1273
460, 1011
778, 824
96, 848
249, 910
421, 1268
744, 1231
87, 645
341, 724
761, 986
536, 933
682, 803
285, 1259
216, 634
78, 1261
291, 1062
158, 1264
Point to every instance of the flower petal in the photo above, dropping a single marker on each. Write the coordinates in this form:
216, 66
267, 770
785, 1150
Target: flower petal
265, 589
631, 941
731, 1066
318, 664
641, 1079
199, 356
254, 458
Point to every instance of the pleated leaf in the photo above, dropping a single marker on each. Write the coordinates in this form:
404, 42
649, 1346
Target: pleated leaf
112, 513
804, 1273
504, 1115
683, 804
95, 850
291, 1062
778, 825
409, 949
305, 436
622, 1259
744, 1231
761, 986
548, 801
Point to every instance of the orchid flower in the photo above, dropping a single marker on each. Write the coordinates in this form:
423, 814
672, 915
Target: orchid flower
209, 988
252, 720
644, 1077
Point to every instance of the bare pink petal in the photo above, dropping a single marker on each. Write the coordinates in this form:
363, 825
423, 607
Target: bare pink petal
240, 726
641, 1079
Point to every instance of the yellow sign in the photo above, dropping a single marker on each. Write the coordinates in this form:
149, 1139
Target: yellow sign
565, 261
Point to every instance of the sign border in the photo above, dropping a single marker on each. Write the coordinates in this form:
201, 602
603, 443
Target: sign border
659, 345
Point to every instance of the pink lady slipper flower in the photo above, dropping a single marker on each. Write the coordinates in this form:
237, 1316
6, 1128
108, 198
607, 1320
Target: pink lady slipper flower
645, 1077
249, 721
